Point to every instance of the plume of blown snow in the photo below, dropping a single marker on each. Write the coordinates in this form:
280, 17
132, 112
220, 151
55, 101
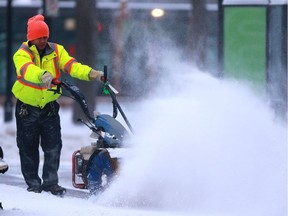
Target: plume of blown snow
203, 145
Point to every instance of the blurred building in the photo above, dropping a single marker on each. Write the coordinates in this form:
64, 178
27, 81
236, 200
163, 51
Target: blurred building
239, 39
135, 21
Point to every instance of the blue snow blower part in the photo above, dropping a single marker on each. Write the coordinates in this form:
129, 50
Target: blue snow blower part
99, 165
116, 131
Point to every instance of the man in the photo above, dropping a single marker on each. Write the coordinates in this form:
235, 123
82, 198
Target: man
37, 62
3, 164
3, 167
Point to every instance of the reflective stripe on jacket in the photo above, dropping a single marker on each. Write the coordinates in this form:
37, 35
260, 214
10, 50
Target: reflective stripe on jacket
29, 68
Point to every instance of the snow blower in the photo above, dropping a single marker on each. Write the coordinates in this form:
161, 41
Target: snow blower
93, 167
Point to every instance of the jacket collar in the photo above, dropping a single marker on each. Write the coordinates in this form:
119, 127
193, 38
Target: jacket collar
48, 49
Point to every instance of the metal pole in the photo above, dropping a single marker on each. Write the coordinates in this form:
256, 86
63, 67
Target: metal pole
48, 18
220, 39
8, 105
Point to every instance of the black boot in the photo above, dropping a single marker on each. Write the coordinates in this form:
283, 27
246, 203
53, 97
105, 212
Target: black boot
55, 189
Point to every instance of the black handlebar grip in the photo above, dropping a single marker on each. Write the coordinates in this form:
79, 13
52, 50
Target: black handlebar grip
105, 73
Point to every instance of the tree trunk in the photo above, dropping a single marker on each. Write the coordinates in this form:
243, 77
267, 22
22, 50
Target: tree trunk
86, 51
118, 44
197, 34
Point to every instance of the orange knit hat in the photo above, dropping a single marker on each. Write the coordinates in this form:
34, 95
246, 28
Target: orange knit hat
37, 28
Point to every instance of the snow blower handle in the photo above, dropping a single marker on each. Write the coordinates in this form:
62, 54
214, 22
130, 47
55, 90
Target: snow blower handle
110, 90
107, 84
76, 94
56, 82
104, 78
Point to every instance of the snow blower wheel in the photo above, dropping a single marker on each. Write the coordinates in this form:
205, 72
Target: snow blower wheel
100, 170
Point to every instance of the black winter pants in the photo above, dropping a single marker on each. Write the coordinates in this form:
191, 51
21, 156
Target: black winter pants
39, 127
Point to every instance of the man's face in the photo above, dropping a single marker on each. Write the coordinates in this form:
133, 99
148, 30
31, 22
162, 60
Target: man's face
40, 43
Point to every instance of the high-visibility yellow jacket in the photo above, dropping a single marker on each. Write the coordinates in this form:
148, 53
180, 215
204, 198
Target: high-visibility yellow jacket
30, 67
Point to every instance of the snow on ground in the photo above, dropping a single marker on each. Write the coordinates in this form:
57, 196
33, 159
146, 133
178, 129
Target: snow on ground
202, 147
